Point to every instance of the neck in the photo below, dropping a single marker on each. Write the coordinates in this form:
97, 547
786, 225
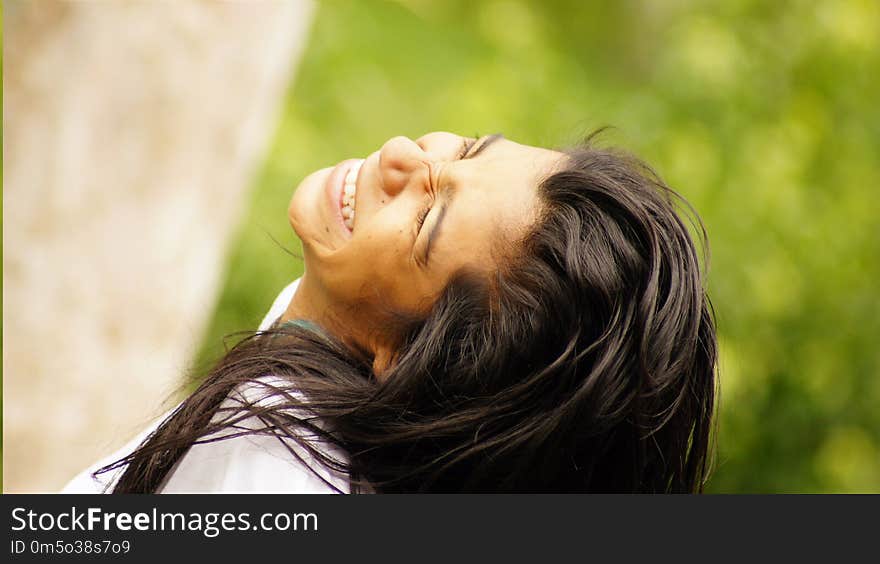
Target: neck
305, 304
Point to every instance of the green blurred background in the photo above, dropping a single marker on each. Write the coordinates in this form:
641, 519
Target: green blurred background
763, 114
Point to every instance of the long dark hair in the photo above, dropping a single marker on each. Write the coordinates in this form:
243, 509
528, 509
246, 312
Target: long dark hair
585, 363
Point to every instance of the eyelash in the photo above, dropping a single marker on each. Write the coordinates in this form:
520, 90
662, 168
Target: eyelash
423, 215
466, 147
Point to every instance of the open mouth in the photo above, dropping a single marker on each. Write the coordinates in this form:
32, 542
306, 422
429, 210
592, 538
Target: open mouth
349, 193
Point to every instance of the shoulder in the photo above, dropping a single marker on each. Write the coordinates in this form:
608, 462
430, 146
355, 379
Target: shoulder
257, 463
247, 463
251, 464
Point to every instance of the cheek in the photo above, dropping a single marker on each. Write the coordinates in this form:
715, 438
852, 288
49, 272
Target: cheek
381, 258
380, 272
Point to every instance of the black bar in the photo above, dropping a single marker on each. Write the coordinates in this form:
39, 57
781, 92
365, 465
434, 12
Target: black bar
538, 528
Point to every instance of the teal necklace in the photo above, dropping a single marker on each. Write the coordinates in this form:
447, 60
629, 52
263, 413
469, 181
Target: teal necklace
302, 324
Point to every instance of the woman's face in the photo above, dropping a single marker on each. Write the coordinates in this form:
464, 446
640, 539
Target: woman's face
387, 232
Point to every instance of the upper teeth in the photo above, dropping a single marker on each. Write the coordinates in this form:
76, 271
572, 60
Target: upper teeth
348, 194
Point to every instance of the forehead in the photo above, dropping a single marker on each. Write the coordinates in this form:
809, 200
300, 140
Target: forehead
495, 197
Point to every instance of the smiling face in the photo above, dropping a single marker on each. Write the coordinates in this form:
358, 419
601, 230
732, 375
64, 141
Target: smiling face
389, 231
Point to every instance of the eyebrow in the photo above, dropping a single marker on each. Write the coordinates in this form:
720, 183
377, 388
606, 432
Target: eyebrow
435, 229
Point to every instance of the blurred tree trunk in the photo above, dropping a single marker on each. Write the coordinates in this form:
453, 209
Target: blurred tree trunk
132, 132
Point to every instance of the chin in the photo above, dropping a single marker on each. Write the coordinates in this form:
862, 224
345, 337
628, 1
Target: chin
304, 211
293, 214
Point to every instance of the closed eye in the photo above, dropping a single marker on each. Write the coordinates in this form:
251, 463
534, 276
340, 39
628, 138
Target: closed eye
423, 215
466, 146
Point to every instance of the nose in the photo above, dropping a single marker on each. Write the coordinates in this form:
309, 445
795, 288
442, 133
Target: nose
400, 161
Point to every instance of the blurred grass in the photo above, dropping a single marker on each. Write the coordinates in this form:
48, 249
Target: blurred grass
763, 114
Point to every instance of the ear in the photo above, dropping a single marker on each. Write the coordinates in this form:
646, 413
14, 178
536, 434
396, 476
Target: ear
384, 359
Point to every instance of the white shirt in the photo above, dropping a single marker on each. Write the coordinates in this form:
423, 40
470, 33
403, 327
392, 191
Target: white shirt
245, 464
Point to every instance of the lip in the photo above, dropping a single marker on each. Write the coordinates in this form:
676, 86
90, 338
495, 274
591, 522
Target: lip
333, 189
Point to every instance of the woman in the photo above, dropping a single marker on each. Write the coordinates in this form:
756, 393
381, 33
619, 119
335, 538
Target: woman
475, 315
